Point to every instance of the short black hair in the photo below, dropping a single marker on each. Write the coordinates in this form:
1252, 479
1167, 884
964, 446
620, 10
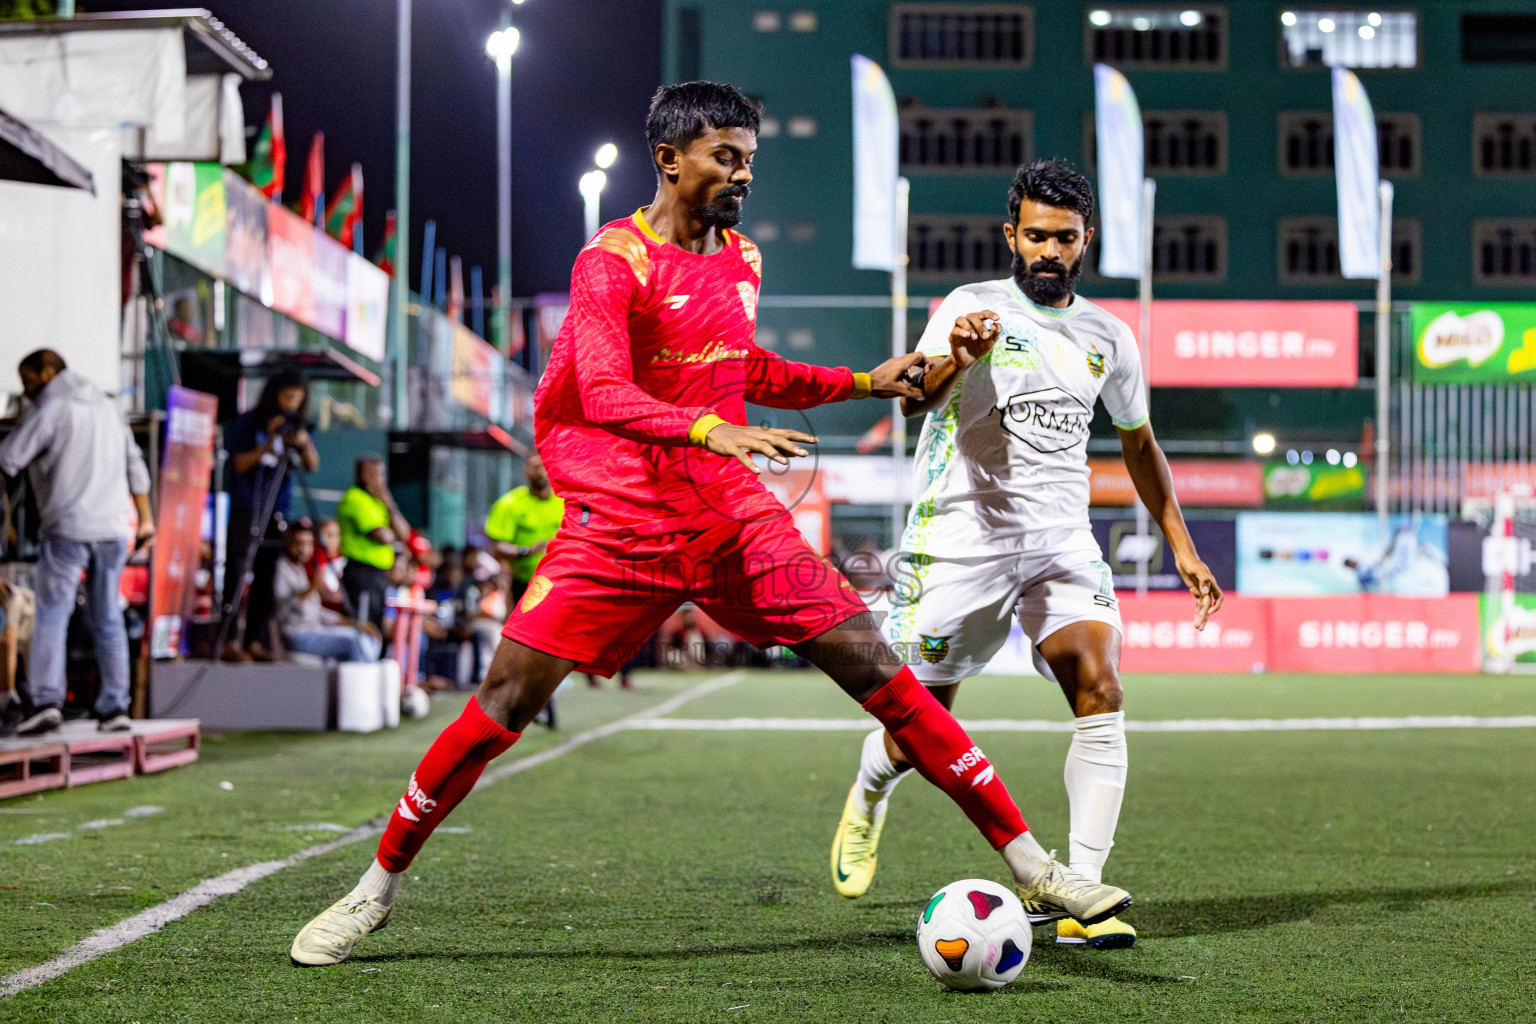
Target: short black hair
690, 110
42, 359
1054, 183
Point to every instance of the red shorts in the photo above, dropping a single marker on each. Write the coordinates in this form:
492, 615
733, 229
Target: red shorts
599, 597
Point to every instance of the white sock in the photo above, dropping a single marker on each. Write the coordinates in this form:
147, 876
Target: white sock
1095, 777
1025, 856
877, 775
380, 883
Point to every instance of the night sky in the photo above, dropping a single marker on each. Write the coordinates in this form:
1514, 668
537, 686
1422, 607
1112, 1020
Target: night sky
582, 76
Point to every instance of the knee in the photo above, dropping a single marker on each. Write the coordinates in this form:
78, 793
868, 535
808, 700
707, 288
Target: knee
1098, 688
510, 695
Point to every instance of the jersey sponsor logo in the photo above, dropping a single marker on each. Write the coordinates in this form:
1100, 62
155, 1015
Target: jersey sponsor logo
934, 649
1096, 362
676, 301
538, 589
1015, 352
970, 759
748, 298
1049, 420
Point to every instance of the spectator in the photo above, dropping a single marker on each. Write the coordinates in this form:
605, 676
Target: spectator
82, 463
260, 441
370, 525
327, 565
308, 627
522, 522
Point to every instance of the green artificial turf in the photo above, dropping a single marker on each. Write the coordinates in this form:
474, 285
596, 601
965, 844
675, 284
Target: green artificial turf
682, 876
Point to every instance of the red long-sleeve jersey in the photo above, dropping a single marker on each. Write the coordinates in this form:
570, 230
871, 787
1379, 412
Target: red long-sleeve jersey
657, 338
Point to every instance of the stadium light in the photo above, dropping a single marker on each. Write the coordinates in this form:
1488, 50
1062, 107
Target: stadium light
1263, 444
1099, 18
1366, 32
502, 44
1325, 24
1333, 456
1288, 19
1189, 19
591, 188
1374, 19
607, 153
1141, 24
1350, 459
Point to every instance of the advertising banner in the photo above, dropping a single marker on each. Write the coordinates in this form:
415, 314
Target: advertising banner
1215, 540
1160, 635
1474, 343
1509, 629
190, 197
1208, 483
245, 247
367, 307
1117, 117
800, 491
476, 373
1357, 177
1313, 485
1314, 554
186, 469
329, 315
876, 142
291, 255
1374, 633
1210, 343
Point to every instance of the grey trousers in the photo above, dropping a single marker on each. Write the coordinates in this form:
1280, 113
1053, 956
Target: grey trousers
58, 576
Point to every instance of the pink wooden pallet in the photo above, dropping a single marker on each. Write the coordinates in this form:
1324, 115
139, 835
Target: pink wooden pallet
162, 745
86, 764
31, 768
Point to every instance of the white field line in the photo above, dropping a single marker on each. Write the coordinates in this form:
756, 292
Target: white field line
1131, 725
151, 920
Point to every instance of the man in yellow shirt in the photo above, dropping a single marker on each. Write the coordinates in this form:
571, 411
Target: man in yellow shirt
522, 522
371, 523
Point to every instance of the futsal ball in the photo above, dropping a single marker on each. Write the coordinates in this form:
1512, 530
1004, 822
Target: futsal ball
974, 935
414, 702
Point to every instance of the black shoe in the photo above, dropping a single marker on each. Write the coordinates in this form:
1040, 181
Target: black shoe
114, 721
41, 719
11, 715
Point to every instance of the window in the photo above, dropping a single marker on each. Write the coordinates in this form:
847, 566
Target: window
1309, 251
802, 127
1351, 39
802, 231
1189, 248
1504, 251
961, 35
767, 338
1504, 145
989, 139
1306, 143
1177, 142
803, 21
1501, 38
801, 339
769, 128
764, 231
1158, 37
767, 21
974, 247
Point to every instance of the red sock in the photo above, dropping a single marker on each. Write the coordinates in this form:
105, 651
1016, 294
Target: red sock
943, 754
444, 777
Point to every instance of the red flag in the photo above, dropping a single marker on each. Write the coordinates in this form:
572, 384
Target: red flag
456, 290
269, 158
345, 212
877, 437
385, 257
314, 179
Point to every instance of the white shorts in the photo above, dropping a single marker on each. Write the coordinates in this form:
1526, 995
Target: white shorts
952, 616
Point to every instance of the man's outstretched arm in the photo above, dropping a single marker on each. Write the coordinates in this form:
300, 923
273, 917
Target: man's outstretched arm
1154, 484
778, 383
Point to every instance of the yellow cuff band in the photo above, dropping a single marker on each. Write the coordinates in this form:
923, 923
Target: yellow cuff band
861, 386
701, 428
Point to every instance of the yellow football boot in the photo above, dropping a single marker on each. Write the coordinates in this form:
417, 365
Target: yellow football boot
1111, 933
853, 848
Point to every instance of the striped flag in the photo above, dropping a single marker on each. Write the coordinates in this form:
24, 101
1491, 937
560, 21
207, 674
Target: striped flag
269, 157
344, 217
1117, 118
1358, 176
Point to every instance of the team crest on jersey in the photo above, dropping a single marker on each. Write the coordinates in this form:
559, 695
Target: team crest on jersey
1096, 362
934, 649
538, 589
748, 298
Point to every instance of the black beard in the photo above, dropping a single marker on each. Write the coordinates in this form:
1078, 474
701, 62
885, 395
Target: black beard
1046, 291
723, 211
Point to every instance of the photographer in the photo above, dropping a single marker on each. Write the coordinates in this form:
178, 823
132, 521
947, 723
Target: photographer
267, 445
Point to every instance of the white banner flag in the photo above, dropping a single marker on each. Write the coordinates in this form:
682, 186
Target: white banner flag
1118, 122
876, 142
1354, 162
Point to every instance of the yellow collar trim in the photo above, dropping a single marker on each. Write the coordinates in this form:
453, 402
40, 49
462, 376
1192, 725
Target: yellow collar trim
727, 237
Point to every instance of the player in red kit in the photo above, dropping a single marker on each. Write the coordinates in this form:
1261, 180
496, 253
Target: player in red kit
641, 418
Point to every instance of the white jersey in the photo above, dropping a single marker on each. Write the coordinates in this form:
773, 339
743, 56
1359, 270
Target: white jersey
1005, 457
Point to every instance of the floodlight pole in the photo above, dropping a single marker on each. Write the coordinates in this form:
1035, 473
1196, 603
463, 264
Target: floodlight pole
898, 349
400, 314
1383, 357
1144, 338
504, 195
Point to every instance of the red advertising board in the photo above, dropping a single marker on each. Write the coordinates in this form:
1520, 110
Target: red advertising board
291, 252
1160, 635
1198, 343
1207, 483
185, 471
1375, 633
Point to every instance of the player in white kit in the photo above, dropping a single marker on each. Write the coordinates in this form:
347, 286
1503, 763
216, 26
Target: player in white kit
999, 527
